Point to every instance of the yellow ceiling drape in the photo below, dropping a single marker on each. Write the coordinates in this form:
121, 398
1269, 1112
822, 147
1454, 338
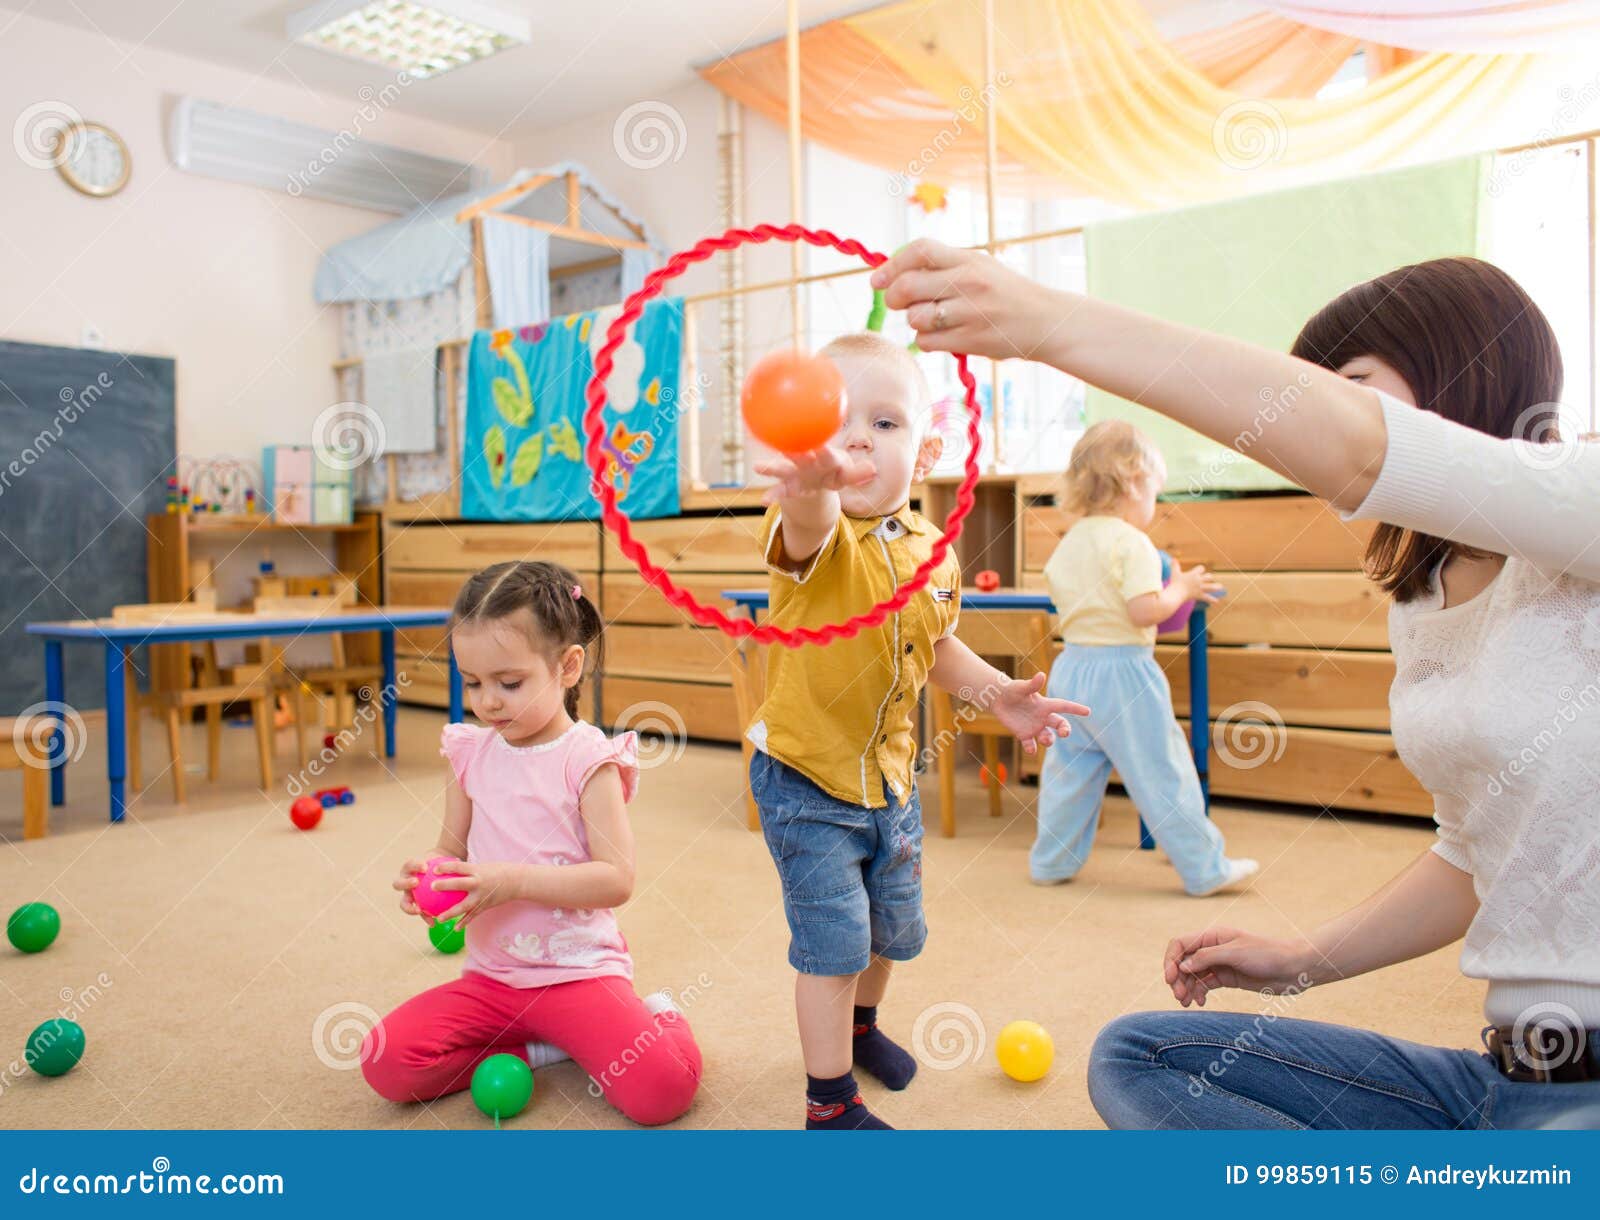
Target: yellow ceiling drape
1090, 98
1130, 121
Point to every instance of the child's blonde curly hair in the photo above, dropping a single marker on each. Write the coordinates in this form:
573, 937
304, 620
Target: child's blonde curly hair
1105, 464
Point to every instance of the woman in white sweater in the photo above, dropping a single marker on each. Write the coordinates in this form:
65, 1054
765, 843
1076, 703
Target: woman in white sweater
1490, 549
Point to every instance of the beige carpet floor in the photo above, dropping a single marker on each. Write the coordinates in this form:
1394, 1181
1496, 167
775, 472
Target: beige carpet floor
224, 965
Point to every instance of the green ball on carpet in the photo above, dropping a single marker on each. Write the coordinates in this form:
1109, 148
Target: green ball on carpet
33, 926
55, 1047
501, 1086
446, 937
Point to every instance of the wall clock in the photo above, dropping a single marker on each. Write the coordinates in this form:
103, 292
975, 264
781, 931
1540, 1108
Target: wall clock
93, 159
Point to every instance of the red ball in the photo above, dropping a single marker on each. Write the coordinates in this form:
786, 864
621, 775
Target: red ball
986, 777
306, 812
987, 580
793, 402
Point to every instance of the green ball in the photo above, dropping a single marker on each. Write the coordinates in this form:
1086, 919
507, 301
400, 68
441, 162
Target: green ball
502, 1085
446, 937
33, 926
55, 1047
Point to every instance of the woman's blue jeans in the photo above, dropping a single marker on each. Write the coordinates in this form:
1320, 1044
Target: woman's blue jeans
1188, 1070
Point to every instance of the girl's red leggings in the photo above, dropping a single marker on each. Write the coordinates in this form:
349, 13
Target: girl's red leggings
647, 1065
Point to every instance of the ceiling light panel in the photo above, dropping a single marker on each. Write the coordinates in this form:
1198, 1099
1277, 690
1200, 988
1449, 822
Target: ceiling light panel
421, 40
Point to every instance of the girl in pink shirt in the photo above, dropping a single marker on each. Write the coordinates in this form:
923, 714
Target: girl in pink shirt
536, 825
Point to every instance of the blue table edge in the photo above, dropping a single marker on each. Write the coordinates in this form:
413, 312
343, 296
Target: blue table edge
752, 600
116, 640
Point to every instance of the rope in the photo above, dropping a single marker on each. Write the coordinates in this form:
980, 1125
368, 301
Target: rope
617, 521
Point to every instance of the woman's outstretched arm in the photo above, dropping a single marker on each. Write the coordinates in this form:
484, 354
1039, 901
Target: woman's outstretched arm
1305, 422
1330, 435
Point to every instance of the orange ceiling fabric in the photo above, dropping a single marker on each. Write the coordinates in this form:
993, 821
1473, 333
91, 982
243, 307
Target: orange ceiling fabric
1090, 99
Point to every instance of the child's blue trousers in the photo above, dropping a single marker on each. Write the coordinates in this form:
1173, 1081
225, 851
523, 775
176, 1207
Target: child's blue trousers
1131, 728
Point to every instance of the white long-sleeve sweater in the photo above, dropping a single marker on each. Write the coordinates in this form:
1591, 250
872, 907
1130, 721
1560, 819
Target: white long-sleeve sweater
1495, 706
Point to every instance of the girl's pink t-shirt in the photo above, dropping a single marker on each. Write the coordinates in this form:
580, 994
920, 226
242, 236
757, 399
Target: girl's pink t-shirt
525, 809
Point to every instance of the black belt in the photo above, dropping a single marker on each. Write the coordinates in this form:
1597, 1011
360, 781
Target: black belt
1545, 1052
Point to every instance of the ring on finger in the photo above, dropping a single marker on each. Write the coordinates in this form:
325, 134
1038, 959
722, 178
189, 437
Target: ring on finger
938, 315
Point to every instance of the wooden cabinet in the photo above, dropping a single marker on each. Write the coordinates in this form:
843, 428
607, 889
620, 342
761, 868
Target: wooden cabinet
1299, 662
1300, 666
426, 561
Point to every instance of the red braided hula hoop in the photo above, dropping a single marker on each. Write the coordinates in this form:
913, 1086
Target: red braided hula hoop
617, 521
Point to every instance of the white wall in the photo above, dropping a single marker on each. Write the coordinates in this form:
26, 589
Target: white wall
677, 198
215, 274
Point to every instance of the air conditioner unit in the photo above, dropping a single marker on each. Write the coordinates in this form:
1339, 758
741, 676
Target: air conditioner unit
259, 149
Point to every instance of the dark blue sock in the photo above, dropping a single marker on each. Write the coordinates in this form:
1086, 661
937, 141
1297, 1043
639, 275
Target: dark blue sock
836, 1105
875, 1053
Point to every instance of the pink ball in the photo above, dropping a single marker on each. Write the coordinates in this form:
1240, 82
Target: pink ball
1180, 618
1179, 621
429, 900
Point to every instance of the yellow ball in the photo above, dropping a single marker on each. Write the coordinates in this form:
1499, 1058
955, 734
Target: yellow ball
1025, 1050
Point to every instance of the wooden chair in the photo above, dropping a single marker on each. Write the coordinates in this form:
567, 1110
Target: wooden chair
748, 664
20, 751
1022, 635
339, 680
210, 691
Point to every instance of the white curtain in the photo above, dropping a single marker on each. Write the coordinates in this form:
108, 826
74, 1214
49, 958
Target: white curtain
383, 326
1479, 27
518, 261
636, 264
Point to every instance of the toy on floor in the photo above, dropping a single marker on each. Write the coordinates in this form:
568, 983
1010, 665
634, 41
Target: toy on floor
793, 402
335, 796
429, 900
602, 463
33, 927
987, 580
306, 812
985, 775
55, 1047
446, 937
501, 1086
1025, 1051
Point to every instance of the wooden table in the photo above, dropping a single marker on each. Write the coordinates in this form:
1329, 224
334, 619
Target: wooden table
115, 637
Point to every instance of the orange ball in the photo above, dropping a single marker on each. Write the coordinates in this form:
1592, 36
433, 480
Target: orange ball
793, 402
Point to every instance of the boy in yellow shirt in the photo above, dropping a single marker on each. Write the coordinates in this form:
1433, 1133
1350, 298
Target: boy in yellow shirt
832, 772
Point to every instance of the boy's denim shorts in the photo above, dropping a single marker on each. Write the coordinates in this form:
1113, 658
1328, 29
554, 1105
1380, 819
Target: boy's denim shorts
851, 876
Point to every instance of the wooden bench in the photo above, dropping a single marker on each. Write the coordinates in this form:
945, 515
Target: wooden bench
20, 751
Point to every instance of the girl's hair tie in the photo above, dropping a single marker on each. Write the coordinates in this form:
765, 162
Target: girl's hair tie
577, 592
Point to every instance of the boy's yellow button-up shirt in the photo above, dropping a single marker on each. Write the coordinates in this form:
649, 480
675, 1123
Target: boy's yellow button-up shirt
843, 714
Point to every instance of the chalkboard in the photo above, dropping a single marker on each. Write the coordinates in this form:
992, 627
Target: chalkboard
87, 439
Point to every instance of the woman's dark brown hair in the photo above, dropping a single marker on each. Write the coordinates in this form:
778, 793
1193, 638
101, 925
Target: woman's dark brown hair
562, 613
1471, 345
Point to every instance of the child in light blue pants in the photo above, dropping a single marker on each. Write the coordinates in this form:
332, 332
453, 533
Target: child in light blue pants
1105, 579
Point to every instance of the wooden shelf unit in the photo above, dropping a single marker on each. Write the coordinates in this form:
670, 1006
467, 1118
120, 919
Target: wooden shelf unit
169, 549
1299, 660
1301, 637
